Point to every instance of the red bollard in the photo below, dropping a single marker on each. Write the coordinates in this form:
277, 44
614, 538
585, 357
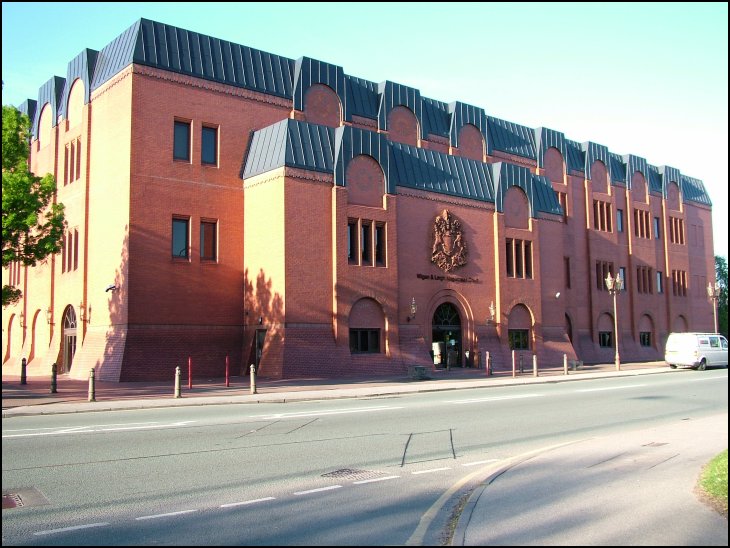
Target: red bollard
228, 378
190, 372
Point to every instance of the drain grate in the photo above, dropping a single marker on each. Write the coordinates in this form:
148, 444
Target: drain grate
12, 500
354, 474
23, 498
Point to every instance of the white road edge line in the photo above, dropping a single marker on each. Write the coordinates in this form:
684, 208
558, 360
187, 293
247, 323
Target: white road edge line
244, 502
611, 388
73, 528
319, 490
374, 480
431, 470
480, 462
156, 516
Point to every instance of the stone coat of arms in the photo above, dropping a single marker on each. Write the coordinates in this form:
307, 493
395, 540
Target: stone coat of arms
449, 247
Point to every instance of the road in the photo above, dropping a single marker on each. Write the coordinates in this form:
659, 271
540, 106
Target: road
371, 471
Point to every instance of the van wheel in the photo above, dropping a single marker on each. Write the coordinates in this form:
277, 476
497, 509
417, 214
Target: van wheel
702, 366
672, 366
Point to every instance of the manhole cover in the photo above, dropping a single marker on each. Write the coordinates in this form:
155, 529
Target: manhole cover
23, 498
353, 474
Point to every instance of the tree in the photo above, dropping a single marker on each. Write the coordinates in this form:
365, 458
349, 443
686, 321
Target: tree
33, 226
721, 280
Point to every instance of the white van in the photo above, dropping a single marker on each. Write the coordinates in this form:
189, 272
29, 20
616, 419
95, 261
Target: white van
697, 350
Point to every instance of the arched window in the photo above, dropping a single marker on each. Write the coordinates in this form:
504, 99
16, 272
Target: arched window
554, 165
471, 143
519, 328
365, 181
599, 177
367, 327
322, 106
403, 126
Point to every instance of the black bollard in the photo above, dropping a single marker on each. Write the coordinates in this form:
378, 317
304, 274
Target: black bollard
23, 372
54, 374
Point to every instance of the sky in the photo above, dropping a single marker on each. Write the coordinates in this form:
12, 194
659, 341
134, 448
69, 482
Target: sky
648, 79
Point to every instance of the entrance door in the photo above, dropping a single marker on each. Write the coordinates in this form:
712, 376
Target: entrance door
68, 348
260, 338
446, 336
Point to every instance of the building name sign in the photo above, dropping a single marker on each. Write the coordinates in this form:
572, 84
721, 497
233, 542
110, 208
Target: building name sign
445, 278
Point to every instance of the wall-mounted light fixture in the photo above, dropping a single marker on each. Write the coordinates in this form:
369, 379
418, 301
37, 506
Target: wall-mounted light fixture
261, 320
22, 320
82, 311
414, 309
49, 316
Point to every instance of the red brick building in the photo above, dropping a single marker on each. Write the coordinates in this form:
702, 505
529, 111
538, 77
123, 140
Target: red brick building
227, 202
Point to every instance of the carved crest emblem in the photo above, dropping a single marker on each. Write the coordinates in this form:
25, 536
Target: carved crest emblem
449, 247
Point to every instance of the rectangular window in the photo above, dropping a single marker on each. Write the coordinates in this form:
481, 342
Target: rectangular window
528, 259
180, 242
563, 201
366, 239
519, 273
659, 285
208, 240
181, 146
76, 249
78, 159
602, 216
622, 273
620, 220
365, 341
209, 146
65, 164
605, 339
657, 233
645, 338
352, 241
509, 258
519, 339
379, 244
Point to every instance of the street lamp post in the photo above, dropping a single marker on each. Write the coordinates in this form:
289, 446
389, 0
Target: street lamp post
713, 292
614, 286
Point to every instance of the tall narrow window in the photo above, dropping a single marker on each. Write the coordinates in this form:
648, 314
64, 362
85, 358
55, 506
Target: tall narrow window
181, 147
657, 233
180, 231
380, 244
76, 249
509, 258
209, 144
620, 220
366, 238
208, 240
352, 241
622, 273
528, 259
659, 285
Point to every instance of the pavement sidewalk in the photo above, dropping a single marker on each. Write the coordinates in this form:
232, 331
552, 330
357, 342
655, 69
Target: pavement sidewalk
72, 396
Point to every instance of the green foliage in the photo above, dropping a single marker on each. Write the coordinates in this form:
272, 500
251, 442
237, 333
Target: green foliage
32, 224
721, 280
713, 482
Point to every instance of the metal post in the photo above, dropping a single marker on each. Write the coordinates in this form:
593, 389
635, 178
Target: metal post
190, 373
54, 375
92, 385
228, 378
253, 379
23, 371
488, 365
522, 369
615, 328
534, 365
565, 364
514, 370
177, 382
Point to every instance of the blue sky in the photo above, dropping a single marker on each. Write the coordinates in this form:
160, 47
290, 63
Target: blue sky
643, 79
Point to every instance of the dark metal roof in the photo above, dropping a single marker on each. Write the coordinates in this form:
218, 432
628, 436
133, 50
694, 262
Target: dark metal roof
351, 142
308, 72
594, 152
539, 190
576, 160
435, 117
178, 50
392, 95
293, 144
510, 138
462, 114
617, 169
634, 164
50, 92
81, 67
362, 97
655, 180
694, 191
546, 138
116, 55
28, 107
433, 171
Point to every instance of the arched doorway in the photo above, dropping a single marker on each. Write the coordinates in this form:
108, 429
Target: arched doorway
68, 344
446, 336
